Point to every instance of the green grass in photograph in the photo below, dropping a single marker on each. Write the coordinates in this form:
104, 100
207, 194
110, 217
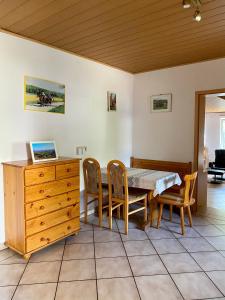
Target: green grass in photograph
59, 109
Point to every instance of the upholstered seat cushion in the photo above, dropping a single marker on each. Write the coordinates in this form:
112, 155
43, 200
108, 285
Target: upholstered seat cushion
136, 196
167, 198
172, 196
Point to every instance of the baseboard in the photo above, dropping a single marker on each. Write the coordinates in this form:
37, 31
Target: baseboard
2, 246
90, 212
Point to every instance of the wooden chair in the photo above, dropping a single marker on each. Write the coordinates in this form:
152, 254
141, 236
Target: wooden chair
118, 193
93, 187
183, 200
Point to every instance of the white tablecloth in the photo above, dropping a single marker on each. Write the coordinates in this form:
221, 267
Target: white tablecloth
157, 181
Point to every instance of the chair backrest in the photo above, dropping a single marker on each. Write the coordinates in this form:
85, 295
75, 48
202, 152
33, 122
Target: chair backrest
117, 180
92, 176
220, 158
189, 186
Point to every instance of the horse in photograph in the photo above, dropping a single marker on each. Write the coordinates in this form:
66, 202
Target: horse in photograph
44, 99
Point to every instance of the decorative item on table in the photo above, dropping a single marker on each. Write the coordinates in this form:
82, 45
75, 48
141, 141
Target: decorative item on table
161, 103
43, 151
111, 100
44, 95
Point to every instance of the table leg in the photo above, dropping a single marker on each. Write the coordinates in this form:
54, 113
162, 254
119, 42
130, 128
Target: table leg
153, 211
153, 214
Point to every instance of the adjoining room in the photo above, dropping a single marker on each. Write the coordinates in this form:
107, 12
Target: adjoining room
112, 174
215, 150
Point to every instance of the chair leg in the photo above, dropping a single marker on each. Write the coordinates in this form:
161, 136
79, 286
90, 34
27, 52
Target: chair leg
146, 209
182, 219
189, 216
160, 214
151, 212
126, 218
110, 214
100, 212
123, 211
85, 207
171, 213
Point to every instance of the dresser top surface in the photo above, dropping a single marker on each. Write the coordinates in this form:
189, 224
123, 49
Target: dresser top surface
30, 165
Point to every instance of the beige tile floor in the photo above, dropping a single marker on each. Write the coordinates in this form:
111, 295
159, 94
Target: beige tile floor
99, 264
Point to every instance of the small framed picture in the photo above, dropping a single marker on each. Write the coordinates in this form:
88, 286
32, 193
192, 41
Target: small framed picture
111, 101
43, 151
161, 103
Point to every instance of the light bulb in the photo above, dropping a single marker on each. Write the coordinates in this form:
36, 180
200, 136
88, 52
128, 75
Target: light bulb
197, 16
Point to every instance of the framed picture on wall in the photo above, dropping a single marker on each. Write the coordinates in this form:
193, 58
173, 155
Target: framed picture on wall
43, 151
161, 103
44, 95
111, 101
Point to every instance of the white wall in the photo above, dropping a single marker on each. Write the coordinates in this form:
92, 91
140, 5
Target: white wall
170, 136
212, 133
86, 122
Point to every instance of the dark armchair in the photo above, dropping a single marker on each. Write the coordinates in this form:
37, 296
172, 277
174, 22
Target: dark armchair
219, 159
217, 168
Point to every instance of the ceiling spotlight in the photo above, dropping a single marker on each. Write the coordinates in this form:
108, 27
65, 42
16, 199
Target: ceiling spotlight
186, 4
197, 16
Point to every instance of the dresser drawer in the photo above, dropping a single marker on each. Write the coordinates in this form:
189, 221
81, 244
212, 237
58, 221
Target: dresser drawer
39, 175
52, 219
46, 190
45, 237
41, 207
67, 170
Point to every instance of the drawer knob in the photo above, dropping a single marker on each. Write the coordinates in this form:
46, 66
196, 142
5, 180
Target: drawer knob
41, 191
41, 174
68, 214
42, 239
42, 223
68, 199
41, 207
48, 239
68, 227
69, 184
68, 170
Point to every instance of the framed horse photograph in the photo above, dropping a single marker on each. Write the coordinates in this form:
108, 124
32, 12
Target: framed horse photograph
44, 95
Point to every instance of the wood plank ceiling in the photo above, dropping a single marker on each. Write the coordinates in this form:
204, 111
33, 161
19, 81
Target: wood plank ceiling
132, 35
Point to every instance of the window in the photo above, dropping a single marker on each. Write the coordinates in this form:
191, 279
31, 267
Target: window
222, 133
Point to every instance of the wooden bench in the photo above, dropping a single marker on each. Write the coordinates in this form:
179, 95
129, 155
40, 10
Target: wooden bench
178, 167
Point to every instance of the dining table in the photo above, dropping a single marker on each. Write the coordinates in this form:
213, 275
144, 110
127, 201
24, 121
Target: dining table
153, 181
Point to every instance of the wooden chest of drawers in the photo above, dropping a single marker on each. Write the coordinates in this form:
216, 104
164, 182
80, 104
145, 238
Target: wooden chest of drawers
42, 203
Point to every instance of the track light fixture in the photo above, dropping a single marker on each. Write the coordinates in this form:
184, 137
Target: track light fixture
197, 16
195, 4
186, 4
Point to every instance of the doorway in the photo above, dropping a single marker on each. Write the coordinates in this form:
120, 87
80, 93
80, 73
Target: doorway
210, 109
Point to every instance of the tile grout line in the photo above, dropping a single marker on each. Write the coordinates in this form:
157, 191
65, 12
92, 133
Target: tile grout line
128, 260
56, 289
96, 280
198, 263
205, 272
7, 258
151, 275
175, 237
20, 279
166, 268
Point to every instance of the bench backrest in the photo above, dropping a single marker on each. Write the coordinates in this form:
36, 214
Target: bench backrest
179, 167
